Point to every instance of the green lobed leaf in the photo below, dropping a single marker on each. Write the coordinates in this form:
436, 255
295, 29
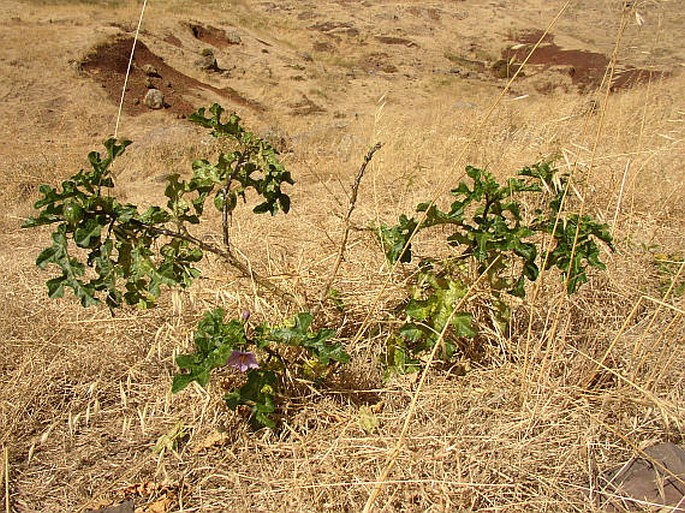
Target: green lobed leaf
395, 240
214, 342
87, 233
298, 332
258, 393
462, 322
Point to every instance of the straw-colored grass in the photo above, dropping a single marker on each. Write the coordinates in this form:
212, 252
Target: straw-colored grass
580, 384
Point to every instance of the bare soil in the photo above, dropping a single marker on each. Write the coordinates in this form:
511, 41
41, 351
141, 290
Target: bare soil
586, 69
108, 64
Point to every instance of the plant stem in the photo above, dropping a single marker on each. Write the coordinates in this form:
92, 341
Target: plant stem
346, 230
228, 256
225, 211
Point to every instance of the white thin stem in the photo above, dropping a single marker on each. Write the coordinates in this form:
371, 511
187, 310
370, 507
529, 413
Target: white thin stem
128, 69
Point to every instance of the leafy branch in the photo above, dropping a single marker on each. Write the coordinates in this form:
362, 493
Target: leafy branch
488, 224
490, 232
259, 354
108, 249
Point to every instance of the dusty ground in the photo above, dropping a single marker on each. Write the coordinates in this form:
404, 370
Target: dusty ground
86, 396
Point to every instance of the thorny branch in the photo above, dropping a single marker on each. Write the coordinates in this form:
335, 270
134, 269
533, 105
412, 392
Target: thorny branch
228, 256
346, 230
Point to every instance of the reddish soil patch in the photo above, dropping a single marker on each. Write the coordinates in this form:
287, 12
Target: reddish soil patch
212, 36
634, 76
107, 65
392, 40
173, 40
585, 68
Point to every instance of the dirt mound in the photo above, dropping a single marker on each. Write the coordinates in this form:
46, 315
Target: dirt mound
107, 64
214, 36
586, 69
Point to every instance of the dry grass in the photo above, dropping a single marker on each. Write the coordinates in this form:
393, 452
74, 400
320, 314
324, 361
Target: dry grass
580, 385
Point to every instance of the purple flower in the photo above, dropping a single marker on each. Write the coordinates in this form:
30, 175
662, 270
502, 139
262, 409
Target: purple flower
245, 315
242, 360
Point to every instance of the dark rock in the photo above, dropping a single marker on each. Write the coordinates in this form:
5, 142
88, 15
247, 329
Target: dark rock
655, 479
207, 61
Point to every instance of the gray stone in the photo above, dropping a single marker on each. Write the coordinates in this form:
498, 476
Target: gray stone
154, 99
207, 61
233, 38
151, 71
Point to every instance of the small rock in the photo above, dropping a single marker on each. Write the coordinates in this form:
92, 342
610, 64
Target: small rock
150, 71
233, 38
154, 99
207, 61
655, 478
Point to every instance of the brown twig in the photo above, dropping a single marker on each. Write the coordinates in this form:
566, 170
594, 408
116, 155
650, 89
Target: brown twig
227, 256
346, 230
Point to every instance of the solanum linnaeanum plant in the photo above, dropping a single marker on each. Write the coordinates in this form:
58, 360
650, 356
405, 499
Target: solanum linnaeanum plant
490, 232
265, 353
110, 251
